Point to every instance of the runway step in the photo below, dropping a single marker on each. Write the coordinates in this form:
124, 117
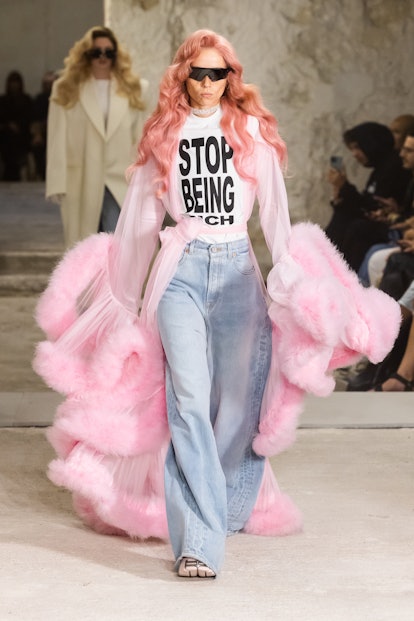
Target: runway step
26, 273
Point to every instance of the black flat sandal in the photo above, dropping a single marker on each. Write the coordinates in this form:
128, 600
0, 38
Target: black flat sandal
408, 386
193, 568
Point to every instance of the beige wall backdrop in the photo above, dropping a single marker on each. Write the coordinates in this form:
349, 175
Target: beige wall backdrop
322, 66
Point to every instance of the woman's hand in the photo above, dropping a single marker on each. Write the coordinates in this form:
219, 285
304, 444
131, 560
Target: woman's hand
406, 224
389, 205
406, 245
378, 215
337, 178
56, 198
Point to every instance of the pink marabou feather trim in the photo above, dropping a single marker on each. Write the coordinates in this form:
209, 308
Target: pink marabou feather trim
126, 497
274, 513
111, 432
68, 280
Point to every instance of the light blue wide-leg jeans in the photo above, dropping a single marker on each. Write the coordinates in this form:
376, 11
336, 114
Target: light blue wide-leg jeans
216, 335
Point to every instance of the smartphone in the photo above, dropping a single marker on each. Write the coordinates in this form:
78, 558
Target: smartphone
336, 162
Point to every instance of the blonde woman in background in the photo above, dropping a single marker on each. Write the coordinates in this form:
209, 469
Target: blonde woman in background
95, 118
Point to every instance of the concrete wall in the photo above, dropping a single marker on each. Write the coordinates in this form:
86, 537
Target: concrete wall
322, 66
35, 35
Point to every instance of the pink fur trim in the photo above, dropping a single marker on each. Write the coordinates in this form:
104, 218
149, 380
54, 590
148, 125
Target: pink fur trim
283, 518
63, 443
107, 500
56, 310
111, 432
64, 373
85, 509
129, 360
113, 429
324, 316
274, 513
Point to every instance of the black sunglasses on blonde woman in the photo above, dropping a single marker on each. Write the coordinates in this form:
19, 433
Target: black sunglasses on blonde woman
97, 52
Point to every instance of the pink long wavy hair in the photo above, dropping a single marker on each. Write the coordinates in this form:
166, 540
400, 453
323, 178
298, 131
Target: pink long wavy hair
162, 129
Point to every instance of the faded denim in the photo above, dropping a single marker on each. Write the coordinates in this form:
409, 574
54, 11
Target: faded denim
216, 335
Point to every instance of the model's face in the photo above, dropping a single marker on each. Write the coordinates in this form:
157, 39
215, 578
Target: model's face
407, 153
357, 153
207, 93
101, 66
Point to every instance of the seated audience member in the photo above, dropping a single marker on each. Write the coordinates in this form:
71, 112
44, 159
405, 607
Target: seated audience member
374, 375
403, 378
378, 256
16, 109
39, 125
372, 267
372, 145
400, 127
399, 270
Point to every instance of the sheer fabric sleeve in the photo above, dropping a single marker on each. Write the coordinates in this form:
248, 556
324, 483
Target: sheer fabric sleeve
274, 218
113, 295
135, 238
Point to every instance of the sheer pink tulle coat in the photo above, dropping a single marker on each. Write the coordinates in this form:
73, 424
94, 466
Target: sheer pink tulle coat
110, 432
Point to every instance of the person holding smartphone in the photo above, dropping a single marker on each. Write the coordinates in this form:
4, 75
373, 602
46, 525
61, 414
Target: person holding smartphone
358, 220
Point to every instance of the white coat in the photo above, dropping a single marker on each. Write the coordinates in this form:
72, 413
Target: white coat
83, 156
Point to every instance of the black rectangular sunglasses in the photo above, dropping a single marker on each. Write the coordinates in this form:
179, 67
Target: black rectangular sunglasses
199, 73
97, 52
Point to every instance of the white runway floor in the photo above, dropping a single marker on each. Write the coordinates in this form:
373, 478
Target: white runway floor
351, 472
354, 561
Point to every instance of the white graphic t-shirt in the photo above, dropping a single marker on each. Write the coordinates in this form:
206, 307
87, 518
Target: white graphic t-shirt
208, 184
